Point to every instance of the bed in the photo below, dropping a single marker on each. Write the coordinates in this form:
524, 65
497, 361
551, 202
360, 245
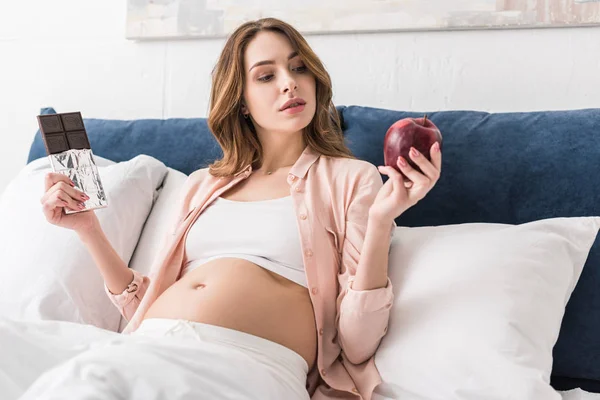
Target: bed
496, 272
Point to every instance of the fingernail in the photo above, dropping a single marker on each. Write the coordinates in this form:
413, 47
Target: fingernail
71, 183
436, 147
414, 152
401, 161
81, 205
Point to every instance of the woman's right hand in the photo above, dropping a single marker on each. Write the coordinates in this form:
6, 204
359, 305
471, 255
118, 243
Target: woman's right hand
60, 194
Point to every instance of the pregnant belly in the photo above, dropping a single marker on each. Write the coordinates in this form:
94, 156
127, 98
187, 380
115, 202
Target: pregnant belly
238, 294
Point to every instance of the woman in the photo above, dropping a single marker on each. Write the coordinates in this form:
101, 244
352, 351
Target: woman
284, 241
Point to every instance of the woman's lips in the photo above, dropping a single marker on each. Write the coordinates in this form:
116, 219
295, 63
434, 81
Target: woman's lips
294, 110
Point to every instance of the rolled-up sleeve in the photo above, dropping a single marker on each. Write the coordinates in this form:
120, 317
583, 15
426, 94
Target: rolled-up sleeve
363, 315
129, 300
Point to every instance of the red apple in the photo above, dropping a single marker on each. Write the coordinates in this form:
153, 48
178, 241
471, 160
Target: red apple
419, 133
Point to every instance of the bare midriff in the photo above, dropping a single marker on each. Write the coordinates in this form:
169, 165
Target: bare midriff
238, 294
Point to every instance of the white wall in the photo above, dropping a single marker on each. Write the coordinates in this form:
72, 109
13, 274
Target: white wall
72, 55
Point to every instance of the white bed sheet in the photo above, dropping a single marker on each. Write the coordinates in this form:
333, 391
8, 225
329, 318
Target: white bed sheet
578, 394
575, 394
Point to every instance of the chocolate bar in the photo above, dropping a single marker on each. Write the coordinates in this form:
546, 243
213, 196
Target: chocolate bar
70, 154
62, 132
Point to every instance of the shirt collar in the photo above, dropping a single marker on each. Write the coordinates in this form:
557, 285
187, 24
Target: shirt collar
299, 169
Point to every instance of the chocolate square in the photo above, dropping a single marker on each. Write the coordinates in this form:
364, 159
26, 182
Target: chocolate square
50, 123
72, 121
56, 143
78, 140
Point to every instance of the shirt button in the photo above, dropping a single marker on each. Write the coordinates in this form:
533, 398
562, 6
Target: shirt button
315, 290
321, 331
132, 287
297, 189
355, 390
292, 177
302, 216
309, 253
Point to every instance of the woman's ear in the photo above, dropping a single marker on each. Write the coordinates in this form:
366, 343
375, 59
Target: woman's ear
244, 108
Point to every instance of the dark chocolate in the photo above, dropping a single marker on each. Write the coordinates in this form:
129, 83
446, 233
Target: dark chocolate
62, 132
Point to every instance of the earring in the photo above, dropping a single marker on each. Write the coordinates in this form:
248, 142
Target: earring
246, 116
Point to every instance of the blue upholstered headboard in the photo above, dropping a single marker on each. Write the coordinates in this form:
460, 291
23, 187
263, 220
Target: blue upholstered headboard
504, 168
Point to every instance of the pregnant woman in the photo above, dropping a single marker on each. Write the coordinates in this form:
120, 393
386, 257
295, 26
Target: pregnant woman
272, 282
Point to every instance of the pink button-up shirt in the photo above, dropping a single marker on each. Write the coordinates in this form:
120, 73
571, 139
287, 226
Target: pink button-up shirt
331, 197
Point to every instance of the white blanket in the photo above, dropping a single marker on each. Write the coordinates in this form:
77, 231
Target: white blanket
77, 361
63, 360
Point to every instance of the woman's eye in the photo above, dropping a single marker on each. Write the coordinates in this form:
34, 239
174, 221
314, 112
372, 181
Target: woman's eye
265, 78
268, 77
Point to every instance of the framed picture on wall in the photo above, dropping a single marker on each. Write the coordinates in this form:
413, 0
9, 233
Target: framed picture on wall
161, 19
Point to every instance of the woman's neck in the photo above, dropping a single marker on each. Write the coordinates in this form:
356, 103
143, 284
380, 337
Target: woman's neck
279, 154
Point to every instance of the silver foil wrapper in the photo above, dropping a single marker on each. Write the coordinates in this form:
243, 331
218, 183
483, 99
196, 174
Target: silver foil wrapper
79, 166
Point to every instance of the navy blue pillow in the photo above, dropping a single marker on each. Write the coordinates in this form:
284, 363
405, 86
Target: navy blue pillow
504, 168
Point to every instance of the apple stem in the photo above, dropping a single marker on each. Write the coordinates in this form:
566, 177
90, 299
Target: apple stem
424, 119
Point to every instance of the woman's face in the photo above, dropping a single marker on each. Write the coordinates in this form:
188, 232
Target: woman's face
275, 75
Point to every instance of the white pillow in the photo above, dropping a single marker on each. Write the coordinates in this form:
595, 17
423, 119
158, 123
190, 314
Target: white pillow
157, 225
45, 271
478, 308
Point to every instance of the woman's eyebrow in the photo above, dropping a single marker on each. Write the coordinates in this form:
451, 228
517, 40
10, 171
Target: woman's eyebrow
267, 62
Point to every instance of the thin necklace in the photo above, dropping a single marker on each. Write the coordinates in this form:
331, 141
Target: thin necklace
285, 166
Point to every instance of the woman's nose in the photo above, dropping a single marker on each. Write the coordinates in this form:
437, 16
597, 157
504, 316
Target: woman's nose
289, 84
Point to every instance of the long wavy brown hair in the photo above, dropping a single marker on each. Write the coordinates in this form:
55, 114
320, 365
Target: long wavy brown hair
235, 134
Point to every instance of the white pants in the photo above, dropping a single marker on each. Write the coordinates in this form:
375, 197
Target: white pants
162, 359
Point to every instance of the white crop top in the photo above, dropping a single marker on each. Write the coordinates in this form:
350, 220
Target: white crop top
263, 232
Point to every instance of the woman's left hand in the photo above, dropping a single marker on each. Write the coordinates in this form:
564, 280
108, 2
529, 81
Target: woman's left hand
397, 195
